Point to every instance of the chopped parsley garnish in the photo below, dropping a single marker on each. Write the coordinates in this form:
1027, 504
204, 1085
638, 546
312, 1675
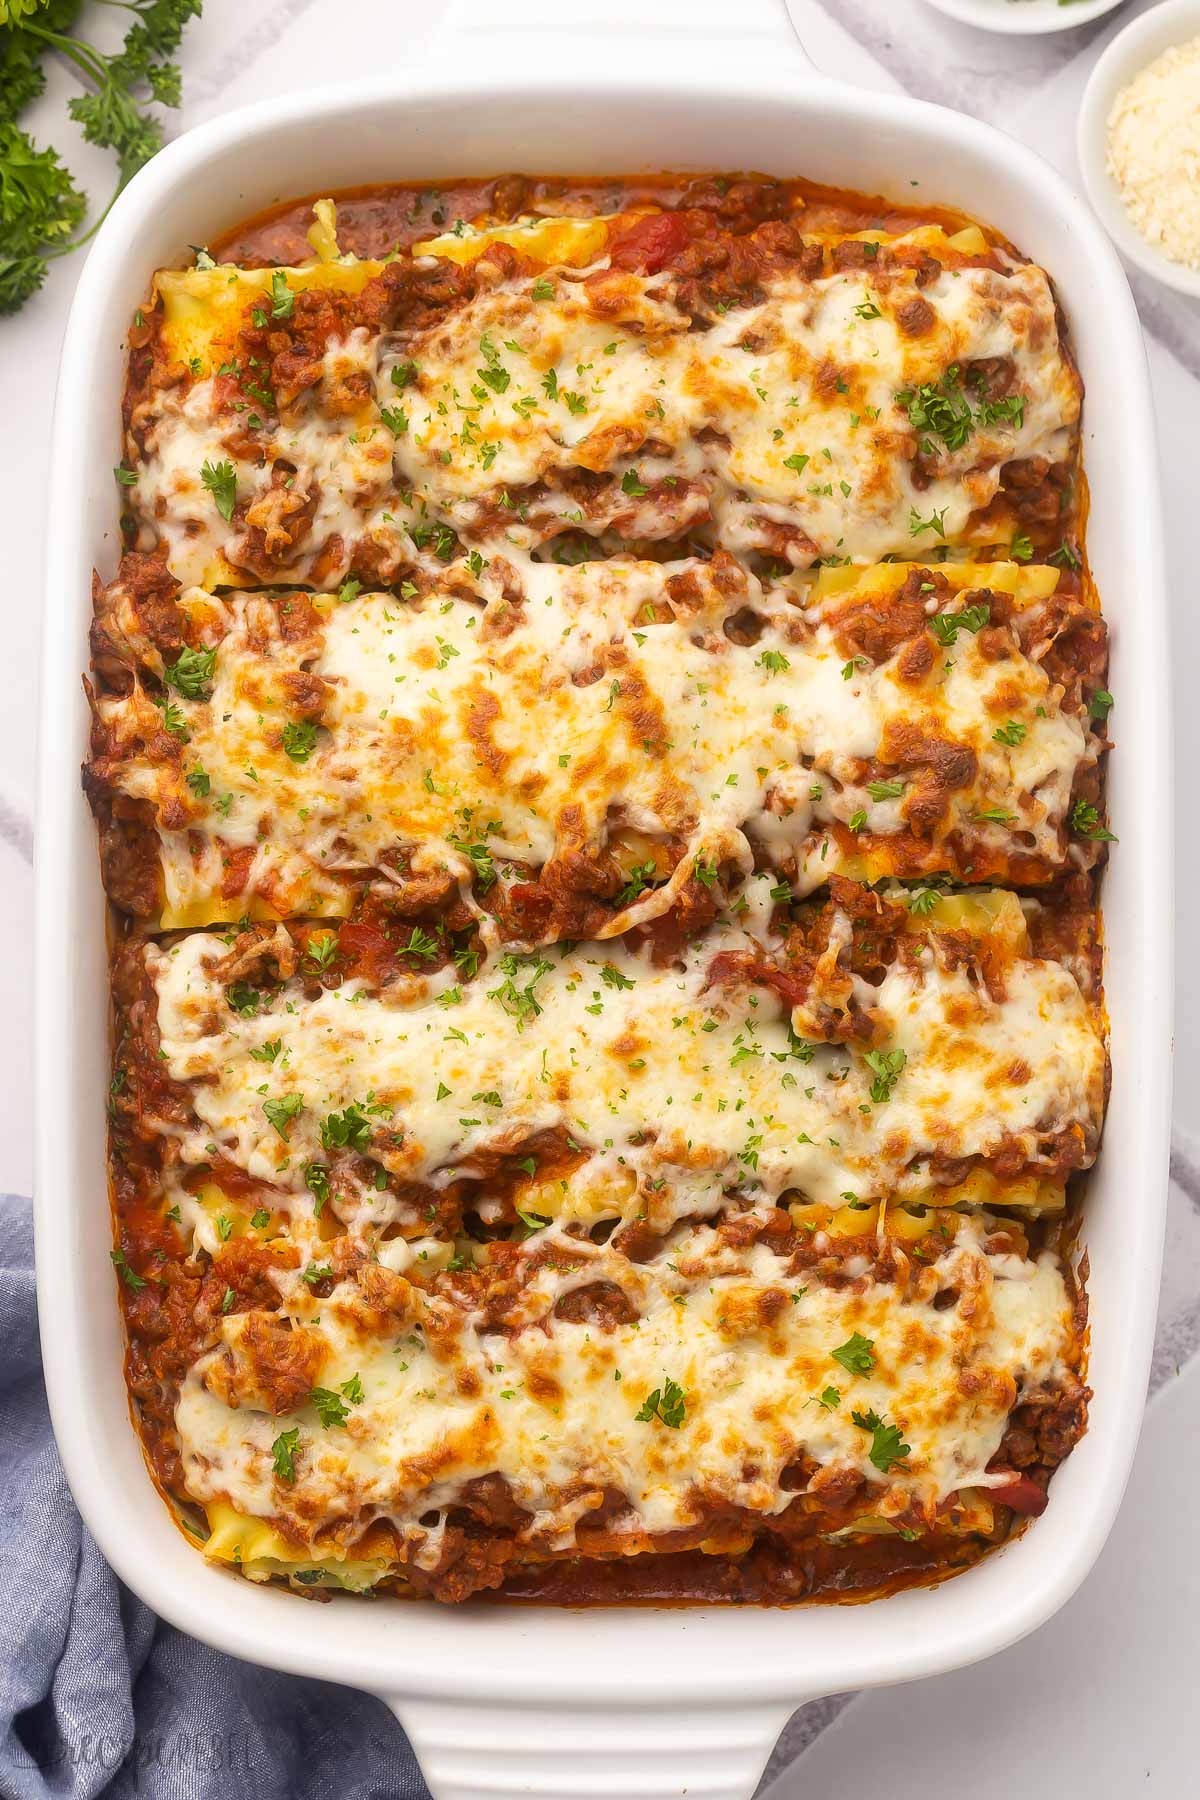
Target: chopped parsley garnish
198, 781
282, 298
421, 945
632, 484
316, 1180
331, 1408
887, 1441
1085, 822
191, 674
322, 950
667, 1403
857, 1354
613, 978
519, 1003
221, 483
348, 1130
245, 1000
639, 879
300, 739
1012, 733
935, 522
774, 662
1100, 704
939, 408
947, 625
886, 790
128, 1276
283, 1452
887, 1066
280, 1113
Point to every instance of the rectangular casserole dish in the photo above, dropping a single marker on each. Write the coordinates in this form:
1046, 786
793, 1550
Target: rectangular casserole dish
657, 1701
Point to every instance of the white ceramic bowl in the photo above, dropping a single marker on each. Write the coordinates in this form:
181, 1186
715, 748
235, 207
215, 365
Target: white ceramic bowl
1130, 51
1025, 18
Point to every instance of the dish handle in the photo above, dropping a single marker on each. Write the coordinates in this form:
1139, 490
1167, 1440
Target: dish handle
702, 31
479, 1751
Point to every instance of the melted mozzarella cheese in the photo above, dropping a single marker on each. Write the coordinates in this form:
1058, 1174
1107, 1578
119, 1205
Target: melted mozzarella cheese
334, 463
779, 420
554, 1408
673, 1091
443, 726
786, 411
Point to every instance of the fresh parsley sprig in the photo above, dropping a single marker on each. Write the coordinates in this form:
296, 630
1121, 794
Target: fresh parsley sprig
41, 209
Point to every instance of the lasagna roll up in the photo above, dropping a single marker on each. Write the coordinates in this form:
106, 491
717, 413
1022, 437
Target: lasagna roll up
558, 752
641, 376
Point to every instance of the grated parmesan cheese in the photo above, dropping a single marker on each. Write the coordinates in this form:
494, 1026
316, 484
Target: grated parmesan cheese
1154, 152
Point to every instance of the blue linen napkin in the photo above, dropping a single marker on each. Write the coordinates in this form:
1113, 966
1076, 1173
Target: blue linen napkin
98, 1696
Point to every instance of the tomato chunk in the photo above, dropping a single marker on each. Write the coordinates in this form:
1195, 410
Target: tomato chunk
650, 243
1021, 1493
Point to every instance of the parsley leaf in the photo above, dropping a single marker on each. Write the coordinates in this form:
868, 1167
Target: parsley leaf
280, 1113
40, 206
331, 1408
887, 1441
299, 740
220, 480
857, 1354
283, 1451
282, 298
667, 1403
348, 1130
131, 1279
191, 675
1085, 820
887, 1066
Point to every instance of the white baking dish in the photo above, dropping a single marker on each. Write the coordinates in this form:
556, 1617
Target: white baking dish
663, 1701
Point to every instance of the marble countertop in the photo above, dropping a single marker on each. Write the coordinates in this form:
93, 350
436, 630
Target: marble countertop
1096, 1700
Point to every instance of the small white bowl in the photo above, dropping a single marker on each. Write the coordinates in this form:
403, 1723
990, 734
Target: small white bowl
1176, 22
1025, 18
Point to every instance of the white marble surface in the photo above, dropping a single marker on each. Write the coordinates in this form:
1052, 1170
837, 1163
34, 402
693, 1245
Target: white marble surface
1099, 1701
